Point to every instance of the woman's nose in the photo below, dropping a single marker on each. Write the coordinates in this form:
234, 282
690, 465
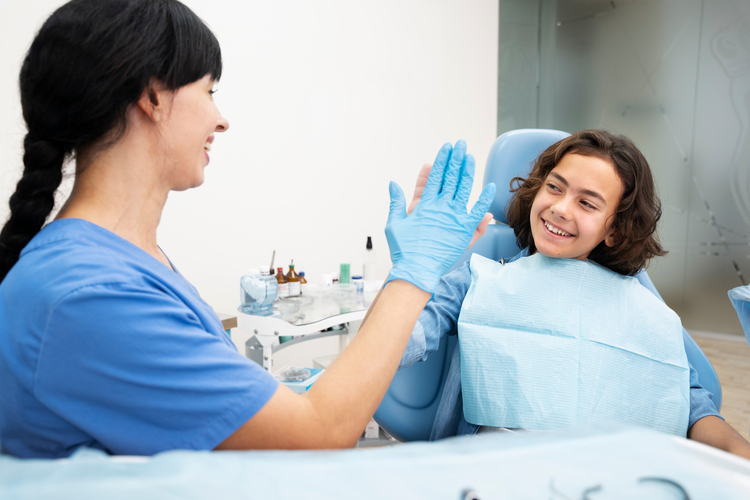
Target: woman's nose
222, 125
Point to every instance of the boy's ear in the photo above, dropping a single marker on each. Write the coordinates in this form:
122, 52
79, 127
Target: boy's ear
152, 100
611, 237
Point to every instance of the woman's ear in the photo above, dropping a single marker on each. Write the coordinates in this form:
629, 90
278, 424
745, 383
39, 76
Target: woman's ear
152, 100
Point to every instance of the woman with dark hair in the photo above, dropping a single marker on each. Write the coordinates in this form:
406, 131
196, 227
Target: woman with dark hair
124, 87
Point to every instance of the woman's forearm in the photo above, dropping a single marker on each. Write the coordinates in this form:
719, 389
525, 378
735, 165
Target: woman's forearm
356, 382
336, 409
369, 309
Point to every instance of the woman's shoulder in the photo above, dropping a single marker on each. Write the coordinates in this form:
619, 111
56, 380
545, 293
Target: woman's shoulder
69, 254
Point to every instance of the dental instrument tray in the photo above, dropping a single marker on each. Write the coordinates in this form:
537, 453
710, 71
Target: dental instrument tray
321, 312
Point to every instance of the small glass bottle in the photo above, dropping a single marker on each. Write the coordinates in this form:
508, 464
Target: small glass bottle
258, 290
369, 268
293, 278
302, 283
283, 284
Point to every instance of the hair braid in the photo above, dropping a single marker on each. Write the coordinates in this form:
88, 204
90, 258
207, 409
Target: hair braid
33, 200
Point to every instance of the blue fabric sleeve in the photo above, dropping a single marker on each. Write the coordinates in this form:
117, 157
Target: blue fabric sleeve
141, 372
701, 404
439, 317
740, 298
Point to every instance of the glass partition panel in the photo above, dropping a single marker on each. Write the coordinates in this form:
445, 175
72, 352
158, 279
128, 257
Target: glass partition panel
674, 76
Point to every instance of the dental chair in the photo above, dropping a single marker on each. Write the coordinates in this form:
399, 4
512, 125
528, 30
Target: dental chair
408, 409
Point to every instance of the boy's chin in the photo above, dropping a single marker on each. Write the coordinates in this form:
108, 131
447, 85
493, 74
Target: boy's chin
557, 255
551, 255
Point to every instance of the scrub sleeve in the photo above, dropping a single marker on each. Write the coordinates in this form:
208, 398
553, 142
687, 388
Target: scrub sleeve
153, 379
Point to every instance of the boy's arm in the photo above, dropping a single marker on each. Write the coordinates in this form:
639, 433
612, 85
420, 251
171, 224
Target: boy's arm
713, 431
439, 317
706, 424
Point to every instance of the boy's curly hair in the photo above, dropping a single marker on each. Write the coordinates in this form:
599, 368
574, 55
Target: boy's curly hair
637, 213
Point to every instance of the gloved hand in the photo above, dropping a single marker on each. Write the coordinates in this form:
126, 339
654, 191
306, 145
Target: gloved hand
424, 173
428, 242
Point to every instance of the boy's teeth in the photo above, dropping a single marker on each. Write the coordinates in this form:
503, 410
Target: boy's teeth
555, 230
207, 146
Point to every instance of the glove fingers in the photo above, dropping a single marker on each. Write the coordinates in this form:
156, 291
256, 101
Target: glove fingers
454, 169
397, 210
435, 180
466, 181
483, 203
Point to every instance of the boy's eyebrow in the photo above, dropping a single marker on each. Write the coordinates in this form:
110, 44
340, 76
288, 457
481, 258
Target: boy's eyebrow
587, 192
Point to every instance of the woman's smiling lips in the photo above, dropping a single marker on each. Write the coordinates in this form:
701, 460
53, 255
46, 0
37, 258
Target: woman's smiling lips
207, 147
556, 230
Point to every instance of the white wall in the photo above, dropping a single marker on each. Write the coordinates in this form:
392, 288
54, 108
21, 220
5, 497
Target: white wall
328, 100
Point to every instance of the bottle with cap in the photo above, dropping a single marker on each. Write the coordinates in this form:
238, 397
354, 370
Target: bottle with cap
369, 270
302, 283
258, 290
283, 283
293, 278
344, 275
359, 284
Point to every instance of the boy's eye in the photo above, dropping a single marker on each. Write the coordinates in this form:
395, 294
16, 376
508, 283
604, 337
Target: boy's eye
587, 204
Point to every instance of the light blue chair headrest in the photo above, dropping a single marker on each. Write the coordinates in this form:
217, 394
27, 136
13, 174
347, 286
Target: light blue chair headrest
512, 155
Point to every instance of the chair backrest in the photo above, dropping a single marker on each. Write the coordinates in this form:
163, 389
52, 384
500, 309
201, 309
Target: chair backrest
408, 409
512, 155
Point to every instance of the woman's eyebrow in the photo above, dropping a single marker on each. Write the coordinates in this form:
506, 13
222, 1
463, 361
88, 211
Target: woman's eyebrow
587, 192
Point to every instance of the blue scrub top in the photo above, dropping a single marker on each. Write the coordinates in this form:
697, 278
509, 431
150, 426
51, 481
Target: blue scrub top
102, 345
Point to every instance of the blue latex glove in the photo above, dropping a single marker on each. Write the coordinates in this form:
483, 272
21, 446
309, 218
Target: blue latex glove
428, 242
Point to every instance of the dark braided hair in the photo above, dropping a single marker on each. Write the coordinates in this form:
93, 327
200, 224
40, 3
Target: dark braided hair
90, 61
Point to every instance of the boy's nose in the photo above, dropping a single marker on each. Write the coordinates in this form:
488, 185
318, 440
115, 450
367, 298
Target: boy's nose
560, 210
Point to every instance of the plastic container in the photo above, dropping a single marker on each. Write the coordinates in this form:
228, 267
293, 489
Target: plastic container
344, 276
258, 290
298, 379
359, 284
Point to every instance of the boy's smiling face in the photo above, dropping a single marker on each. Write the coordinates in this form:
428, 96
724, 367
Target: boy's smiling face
575, 207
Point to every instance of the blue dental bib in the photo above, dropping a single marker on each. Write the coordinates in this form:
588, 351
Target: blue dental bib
548, 343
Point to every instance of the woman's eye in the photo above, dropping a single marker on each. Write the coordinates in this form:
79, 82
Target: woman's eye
213, 91
553, 187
